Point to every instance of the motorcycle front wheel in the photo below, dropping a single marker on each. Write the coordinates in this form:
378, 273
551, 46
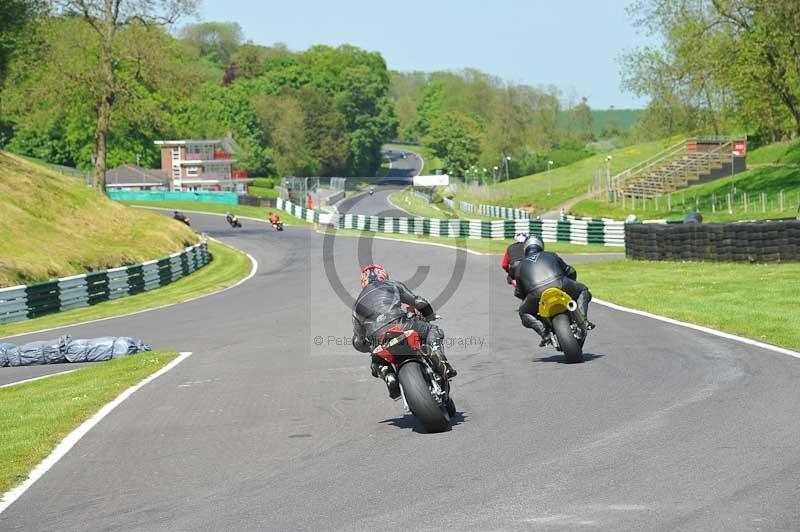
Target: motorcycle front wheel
417, 391
566, 339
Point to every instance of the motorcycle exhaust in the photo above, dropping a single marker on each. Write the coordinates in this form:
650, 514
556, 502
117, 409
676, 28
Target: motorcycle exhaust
572, 307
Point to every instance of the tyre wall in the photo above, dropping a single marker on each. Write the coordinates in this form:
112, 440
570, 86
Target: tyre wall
767, 241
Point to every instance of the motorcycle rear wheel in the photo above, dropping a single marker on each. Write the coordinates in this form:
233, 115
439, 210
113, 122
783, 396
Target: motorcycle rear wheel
566, 339
433, 416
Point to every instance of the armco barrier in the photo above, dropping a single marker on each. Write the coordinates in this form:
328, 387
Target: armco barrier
504, 212
767, 241
228, 198
34, 300
466, 207
450, 203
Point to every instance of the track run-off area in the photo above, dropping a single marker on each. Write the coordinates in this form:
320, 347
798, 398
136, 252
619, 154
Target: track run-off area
275, 423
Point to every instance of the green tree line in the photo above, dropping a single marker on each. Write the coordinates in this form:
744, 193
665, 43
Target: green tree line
93, 87
474, 121
721, 66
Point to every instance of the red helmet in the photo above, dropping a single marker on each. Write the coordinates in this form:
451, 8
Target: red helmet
372, 273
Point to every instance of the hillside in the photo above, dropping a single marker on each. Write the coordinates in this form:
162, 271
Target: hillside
773, 169
530, 192
53, 226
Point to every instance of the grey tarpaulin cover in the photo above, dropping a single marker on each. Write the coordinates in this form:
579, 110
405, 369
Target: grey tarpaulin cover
65, 349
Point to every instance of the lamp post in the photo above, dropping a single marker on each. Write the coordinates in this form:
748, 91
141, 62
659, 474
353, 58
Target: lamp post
549, 178
608, 172
733, 185
505, 160
494, 174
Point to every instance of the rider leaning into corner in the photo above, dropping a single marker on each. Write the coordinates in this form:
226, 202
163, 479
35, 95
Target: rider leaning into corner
537, 272
378, 307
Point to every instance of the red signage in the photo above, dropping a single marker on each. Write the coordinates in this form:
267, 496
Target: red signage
692, 146
739, 147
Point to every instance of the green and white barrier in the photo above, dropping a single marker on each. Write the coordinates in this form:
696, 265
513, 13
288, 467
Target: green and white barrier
308, 215
26, 302
573, 231
466, 207
507, 213
450, 203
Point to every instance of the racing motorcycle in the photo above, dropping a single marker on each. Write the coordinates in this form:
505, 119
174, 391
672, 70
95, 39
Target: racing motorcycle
425, 392
567, 325
233, 221
278, 226
181, 218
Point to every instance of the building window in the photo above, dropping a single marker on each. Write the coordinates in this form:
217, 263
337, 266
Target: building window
192, 171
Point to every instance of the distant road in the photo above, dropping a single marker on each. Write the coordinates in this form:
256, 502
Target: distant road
405, 165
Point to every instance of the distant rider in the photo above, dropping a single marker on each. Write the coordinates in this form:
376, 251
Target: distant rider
537, 272
514, 253
274, 219
378, 307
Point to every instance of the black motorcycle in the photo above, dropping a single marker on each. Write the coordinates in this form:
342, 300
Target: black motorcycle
181, 218
233, 221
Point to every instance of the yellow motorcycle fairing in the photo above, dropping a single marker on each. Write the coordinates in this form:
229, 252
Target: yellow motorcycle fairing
553, 302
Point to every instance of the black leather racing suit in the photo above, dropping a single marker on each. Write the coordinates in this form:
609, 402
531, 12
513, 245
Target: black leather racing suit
380, 306
536, 273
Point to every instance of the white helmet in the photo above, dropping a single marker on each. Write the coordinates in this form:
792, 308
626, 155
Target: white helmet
521, 237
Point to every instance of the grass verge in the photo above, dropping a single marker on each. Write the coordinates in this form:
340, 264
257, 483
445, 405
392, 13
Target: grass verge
37, 415
745, 299
497, 247
417, 206
217, 208
531, 192
52, 225
228, 267
769, 180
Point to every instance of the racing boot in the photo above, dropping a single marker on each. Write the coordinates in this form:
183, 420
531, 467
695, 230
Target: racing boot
440, 362
382, 370
583, 305
531, 322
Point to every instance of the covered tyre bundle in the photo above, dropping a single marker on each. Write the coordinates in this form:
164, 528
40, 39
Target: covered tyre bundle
65, 349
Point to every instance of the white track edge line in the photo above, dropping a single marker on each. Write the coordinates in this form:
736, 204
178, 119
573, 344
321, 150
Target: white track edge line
708, 330
10, 384
253, 270
75, 436
407, 241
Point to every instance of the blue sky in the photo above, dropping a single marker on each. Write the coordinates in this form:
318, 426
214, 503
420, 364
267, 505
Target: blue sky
573, 44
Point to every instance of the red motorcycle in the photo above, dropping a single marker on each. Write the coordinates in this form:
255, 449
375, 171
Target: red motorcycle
425, 391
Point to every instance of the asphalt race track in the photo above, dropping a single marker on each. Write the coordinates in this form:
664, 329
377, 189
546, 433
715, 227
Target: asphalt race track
405, 165
275, 424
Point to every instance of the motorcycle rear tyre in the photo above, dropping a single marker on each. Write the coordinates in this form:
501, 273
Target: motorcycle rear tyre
418, 396
569, 344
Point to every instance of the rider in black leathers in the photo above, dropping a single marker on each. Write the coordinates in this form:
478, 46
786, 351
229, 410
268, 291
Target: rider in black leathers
537, 272
378, 307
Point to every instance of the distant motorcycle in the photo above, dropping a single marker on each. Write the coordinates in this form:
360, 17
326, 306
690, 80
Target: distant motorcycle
181, 218
567, 324
233, 221
278, 226
425, 392
371, 191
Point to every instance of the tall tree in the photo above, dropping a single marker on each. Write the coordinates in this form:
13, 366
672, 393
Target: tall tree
218, 41
106, 18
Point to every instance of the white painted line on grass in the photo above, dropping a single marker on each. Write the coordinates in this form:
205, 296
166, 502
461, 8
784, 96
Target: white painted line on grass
36, 378
729, 336
76, 435
253, 270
